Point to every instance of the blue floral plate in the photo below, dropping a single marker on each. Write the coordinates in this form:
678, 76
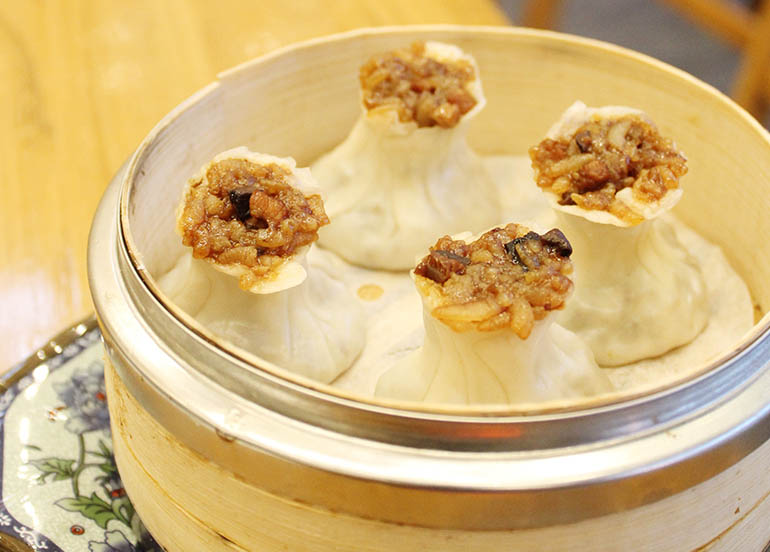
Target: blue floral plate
60, 488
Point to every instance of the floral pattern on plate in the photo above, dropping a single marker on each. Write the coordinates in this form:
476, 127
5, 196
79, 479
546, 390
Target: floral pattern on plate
60, 487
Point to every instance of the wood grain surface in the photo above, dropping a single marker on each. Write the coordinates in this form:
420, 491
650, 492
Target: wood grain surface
83, 81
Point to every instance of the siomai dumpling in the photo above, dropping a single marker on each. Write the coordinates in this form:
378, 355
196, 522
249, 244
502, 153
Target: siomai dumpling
249, 220
610, 175
406, 172
490, 336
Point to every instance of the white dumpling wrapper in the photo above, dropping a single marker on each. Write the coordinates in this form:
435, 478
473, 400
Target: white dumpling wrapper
301, 319
473, 367
638, 292
392, 188
315, 328
462, 365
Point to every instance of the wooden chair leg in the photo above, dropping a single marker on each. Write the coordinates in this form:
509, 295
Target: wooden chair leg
752, 84
541, 14
726, 19
767, 88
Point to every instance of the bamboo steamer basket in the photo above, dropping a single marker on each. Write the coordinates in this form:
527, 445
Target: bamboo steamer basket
220, 450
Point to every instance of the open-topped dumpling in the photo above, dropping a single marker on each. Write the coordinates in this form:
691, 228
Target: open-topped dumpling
610, 175
490, 336
253, 217
406, 173
608, 164
429, 84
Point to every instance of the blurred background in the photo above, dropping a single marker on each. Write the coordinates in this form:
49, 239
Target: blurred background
703, 37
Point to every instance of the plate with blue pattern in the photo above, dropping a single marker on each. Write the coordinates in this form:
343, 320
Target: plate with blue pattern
60, 487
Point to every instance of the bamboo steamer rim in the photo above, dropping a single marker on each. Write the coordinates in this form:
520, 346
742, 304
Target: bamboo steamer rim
464, 454
253, 362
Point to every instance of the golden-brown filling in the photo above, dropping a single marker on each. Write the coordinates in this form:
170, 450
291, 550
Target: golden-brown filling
508, 278
604, 156
420, 88
247, 214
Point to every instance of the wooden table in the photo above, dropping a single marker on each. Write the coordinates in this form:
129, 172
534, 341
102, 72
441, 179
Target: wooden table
83, 82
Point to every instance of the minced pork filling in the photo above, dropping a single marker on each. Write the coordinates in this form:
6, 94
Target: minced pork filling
420, 88
507, 278
247, 214
604, 156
